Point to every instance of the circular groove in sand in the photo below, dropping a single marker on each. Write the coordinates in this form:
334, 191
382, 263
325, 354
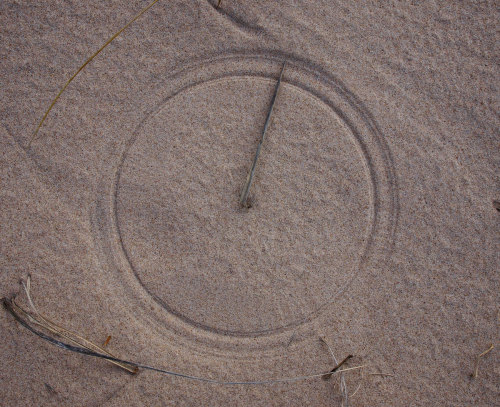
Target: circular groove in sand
373, 154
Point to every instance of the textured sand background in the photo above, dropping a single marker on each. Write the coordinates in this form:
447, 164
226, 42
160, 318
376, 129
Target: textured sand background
373, 222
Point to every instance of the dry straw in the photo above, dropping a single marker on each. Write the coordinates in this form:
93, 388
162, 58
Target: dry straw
109, 41
33, 318
38, 319
478, 358
343, 385
35, 134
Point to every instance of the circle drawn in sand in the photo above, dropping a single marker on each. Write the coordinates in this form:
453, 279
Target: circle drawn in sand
322, 197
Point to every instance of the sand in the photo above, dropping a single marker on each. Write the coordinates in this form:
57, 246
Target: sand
372, 221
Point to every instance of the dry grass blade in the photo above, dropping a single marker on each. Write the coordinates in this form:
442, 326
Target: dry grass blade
339, 365
381, 374
22, 317
40, 320
251, 173
476, 370
33, 137
343, 385
359, 385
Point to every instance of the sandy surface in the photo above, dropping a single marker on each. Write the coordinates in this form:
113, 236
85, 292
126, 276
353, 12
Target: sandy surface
372, 222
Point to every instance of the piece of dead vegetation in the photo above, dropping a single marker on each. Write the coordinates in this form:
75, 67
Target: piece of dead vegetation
478, 358
35, 317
